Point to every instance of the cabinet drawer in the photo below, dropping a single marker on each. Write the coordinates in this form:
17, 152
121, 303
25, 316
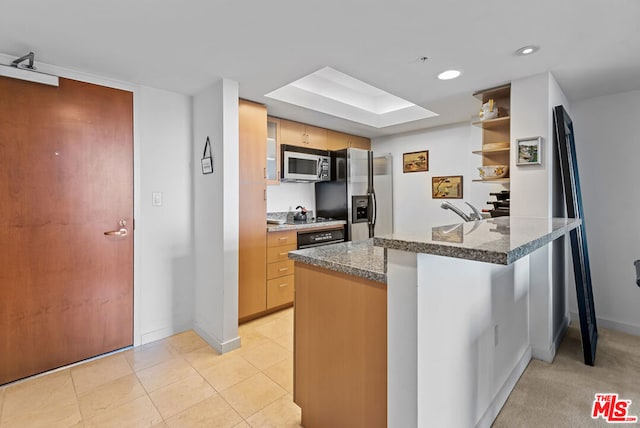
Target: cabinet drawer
284, 237
278, 269
279, 254
279, 291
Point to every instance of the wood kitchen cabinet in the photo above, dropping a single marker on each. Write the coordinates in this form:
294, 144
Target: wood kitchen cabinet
496, 137
300, 134
280, 274
273, 151
252, 240
340, 349
340, 140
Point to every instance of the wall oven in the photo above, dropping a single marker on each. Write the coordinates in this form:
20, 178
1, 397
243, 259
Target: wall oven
305, 165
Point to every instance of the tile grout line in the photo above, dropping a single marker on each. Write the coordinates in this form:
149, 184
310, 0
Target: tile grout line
75, 392
135, 373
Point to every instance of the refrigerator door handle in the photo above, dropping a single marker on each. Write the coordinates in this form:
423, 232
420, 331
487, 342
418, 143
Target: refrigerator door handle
374, 208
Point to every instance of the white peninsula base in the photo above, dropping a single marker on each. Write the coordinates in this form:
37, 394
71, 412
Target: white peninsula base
458, 338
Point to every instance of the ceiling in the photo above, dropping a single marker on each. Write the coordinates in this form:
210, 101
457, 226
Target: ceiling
590, 46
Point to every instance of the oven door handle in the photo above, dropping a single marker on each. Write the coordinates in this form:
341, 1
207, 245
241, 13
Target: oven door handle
319, 244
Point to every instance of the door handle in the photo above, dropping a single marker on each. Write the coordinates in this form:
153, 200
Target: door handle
121, 232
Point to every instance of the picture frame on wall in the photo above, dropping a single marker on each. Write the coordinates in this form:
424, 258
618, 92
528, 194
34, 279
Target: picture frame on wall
415, 161
447, 187
207, 159
529, 151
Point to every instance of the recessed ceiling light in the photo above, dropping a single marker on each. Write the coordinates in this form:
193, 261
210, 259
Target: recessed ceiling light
527, 50
449, 74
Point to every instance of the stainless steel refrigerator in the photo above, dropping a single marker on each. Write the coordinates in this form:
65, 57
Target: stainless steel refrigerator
360, 192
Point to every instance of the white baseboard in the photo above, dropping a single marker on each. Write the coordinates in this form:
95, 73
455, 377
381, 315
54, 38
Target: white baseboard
164, 333
501, 397
222, 347
612, 325
547, 355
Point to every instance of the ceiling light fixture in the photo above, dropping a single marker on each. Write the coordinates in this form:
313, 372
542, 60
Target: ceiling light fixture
449, 74
527, 50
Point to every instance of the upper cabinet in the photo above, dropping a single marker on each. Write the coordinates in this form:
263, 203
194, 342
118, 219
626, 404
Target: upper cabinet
273, 150
496, 139
299, 134
339, 140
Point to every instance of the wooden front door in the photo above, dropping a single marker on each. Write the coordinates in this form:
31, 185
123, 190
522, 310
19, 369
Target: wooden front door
66, 177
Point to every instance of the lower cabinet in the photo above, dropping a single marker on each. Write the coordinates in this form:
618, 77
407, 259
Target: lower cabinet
278, 288
340, 349
279, 291
280, 268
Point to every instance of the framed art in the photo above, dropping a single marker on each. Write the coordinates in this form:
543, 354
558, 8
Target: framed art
529, 151
207, 165
415, 161
447, 187
207, 159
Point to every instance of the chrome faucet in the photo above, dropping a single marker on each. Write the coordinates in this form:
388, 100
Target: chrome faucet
475, 215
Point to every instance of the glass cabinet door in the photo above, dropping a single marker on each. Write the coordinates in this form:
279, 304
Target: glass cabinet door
273, 150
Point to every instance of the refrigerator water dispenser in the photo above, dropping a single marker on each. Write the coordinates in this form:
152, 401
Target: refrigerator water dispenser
360, 209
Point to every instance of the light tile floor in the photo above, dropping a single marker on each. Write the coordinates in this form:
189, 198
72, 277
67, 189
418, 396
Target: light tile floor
176, 382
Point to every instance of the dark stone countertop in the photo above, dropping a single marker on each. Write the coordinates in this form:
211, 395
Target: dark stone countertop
500, 240
359, 258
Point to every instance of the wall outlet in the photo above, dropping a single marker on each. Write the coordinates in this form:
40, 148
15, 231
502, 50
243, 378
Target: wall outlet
495, 336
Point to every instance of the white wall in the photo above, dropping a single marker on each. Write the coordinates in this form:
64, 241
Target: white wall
484, 307
287, 196
216, 204
163, 235
607, 138
449, 154
534, 193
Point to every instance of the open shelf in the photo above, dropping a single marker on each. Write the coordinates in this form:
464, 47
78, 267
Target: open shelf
498, 150
503, 91
492, 123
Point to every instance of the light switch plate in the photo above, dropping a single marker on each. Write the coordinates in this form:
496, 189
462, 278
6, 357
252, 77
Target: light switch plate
156, 199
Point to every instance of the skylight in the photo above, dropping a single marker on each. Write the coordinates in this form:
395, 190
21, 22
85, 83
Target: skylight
333, 92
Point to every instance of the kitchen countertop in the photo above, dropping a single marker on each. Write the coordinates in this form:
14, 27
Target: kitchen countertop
302, 225
359, 258
500, 240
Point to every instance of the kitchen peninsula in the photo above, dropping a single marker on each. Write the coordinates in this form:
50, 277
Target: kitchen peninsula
455, 330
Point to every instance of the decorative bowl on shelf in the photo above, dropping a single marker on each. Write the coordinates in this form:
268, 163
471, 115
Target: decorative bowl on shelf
489, 110
490, 172
490, 114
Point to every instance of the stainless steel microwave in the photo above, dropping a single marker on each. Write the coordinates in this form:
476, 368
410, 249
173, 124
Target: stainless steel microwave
303, 164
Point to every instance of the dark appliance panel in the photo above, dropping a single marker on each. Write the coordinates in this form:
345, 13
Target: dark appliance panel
331, 199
